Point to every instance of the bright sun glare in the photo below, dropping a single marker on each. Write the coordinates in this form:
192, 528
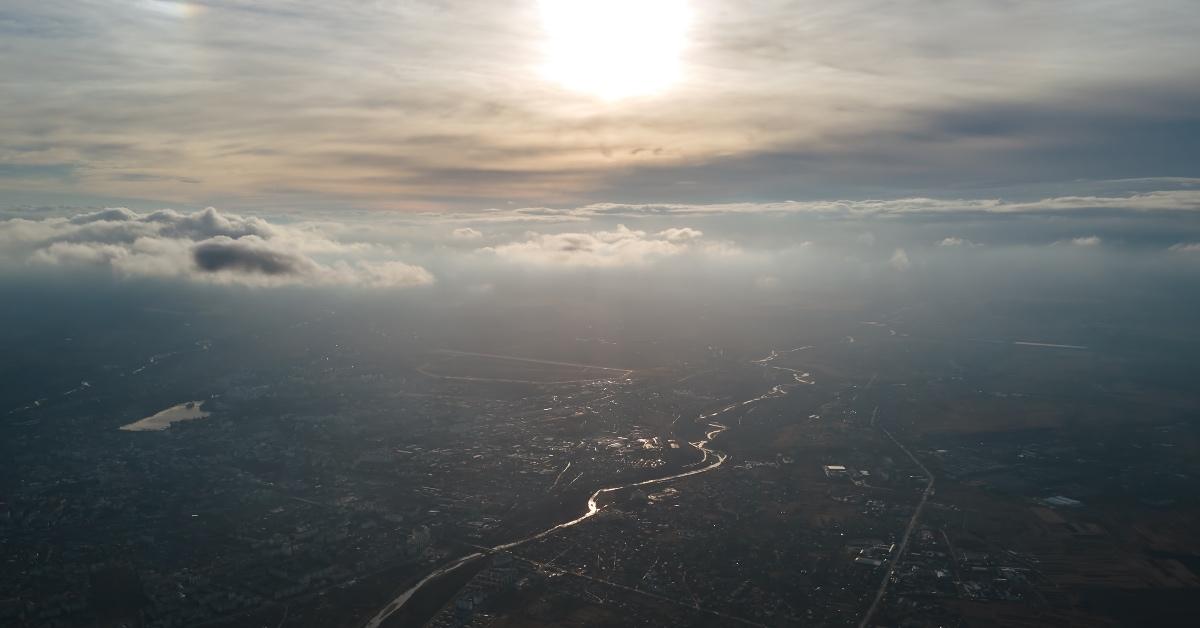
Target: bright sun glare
614, 48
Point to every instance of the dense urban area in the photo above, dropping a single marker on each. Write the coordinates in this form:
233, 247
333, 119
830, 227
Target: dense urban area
860, 477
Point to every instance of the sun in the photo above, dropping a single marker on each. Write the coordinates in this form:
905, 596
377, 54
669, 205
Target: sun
614, 49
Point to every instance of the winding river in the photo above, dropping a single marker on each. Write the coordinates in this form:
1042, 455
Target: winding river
711, 459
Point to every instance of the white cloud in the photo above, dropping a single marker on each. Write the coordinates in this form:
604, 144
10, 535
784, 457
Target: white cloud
466, 233
1084, 241
1186, 247
382, 274
953, 242
205, 246
621, 247
900, 261
681, 234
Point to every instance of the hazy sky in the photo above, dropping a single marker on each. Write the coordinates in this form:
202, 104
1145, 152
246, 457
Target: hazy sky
471, 104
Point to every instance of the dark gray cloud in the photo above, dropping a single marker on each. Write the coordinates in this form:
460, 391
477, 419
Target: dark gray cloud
245, 256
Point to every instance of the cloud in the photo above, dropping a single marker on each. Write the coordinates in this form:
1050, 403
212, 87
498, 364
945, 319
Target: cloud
1163, 200
1084, 241
1179, 200
466, 233
954, 242
251, 255
112, 214
680, 234
205, 246
1185, 247
934, 82
383, 274
900, 261
620, 247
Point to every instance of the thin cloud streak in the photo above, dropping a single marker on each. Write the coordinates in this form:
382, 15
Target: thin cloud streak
1158, 201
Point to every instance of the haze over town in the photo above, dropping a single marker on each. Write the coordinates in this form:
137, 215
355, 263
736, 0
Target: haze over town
573, 313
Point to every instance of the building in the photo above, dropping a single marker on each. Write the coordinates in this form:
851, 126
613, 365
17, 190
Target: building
834, 471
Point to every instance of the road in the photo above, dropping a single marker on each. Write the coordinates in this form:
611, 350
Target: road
912, 525
514, 358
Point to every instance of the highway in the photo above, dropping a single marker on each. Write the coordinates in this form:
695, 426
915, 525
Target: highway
912, 525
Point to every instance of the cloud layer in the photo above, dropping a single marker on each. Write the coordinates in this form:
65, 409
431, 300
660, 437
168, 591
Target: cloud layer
205, 246
600, 249
389, 250
1186, 199
422, 105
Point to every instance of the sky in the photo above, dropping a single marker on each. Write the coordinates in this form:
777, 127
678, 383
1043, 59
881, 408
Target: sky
467, 145
466, 105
